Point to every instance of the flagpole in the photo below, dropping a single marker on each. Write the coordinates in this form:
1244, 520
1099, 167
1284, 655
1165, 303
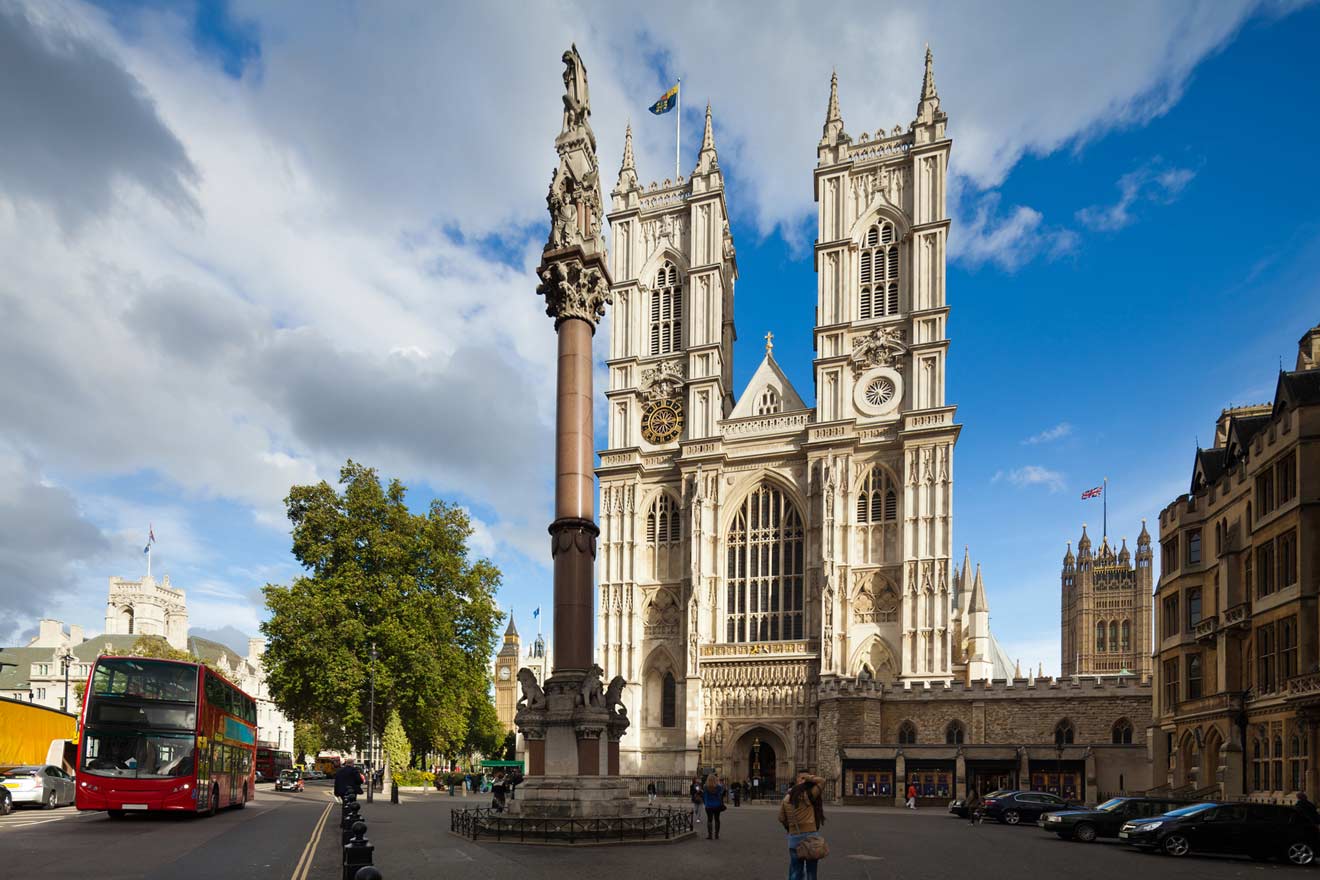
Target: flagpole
1105, 495
678, 129
148, 560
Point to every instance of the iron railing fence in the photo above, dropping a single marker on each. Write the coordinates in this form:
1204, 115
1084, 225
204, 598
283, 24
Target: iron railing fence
653, 823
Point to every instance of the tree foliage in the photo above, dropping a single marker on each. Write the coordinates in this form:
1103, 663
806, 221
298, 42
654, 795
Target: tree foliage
485, 733
378, 573
394, 743
307, 741
509, 750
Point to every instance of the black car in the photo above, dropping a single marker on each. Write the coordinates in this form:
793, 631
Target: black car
1261, 831
1107, 818
962, 808
1015, 807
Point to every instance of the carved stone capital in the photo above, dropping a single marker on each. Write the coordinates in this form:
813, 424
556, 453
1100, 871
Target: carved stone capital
589, 731
567, 533
573, 287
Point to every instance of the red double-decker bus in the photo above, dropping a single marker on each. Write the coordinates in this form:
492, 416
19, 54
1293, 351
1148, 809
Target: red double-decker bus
164, 735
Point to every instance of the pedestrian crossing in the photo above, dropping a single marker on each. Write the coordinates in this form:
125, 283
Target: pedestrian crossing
30, 818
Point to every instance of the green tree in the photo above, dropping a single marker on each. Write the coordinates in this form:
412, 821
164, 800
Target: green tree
509, 751
377, 573
307, 740
485, 733
394, 744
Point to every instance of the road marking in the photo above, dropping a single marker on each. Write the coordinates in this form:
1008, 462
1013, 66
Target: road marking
309, 851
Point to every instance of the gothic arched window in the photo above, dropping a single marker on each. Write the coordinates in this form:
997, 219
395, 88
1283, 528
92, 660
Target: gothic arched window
666, 311
879, 272
1121, 734
769, 402
1113, 635
1064, 735
907, 733
662, 523
668, 701
1127, 635
877, 502
955, 734
1100, 637
765, 569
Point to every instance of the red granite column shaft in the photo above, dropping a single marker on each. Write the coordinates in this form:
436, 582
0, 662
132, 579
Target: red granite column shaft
574, 530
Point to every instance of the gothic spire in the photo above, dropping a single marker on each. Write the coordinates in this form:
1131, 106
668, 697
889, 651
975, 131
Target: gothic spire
928, 108
1068, 557
627, 171
707, 159
979, 602
833, 127
512, 630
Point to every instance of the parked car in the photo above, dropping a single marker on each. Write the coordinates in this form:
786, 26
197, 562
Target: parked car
960, 808
34, 784
1107, 818
290, 780
313, 774
1261, 831
1015, 807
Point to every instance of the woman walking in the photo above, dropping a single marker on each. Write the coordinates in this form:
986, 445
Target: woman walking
713, 796
695, 795
802, 813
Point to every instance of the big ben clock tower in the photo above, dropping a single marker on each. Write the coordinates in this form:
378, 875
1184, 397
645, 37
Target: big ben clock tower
506, 676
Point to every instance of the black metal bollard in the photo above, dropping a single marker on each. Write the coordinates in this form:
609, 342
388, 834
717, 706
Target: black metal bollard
367, 872
394, 792
357, 853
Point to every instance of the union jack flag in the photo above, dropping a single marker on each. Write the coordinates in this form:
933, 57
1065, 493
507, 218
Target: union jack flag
1093, 493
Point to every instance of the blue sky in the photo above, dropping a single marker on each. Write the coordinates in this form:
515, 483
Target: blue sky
294, 238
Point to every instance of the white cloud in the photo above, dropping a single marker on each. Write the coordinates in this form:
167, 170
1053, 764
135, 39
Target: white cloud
1152, 182
1006, 241
1049, 435
1031, 475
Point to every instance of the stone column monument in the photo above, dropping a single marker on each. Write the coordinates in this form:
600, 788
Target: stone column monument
572, 726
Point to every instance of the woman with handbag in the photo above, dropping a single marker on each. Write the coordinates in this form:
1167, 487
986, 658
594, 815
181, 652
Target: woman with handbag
802, 813
713, 795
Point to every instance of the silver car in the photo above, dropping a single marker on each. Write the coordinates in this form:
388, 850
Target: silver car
48, 786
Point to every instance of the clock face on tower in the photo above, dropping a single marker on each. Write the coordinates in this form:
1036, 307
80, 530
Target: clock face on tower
662, 421
504, 673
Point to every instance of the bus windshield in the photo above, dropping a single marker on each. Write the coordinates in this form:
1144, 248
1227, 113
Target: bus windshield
137, 754
141, 679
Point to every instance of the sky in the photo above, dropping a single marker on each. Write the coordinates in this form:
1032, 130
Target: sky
243, 242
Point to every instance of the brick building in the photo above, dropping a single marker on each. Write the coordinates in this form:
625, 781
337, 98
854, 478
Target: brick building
1237, 686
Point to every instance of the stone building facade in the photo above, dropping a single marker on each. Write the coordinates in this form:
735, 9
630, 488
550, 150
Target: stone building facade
147, 607
758, 555
1237, 636
508, 661
1105, 608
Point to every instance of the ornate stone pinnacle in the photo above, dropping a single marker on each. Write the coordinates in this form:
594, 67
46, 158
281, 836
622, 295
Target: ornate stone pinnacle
573, 289
928, 108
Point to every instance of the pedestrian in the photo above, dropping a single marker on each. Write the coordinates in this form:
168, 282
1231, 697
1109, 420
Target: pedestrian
498, 790
1307, 808
713, 798
912, 796
348, 780
695, 795
802, 814
973, 808
736, 789
650, 792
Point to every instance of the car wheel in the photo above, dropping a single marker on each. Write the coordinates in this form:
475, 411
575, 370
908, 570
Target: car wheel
1084, 832
52, 800
116, 814
1300, 853
1011, 817
6, 805
1176, 845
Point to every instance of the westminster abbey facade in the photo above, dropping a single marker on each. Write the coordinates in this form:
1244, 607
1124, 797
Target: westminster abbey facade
761, 560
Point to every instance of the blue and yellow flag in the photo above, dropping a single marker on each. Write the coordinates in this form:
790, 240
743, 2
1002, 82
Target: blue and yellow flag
666, 102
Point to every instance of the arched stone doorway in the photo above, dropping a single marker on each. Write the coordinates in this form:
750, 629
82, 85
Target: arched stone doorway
759, 753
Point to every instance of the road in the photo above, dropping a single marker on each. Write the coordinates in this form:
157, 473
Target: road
265, 839
273, 838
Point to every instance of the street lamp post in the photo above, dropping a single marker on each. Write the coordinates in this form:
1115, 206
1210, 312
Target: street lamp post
65, 660
371, 725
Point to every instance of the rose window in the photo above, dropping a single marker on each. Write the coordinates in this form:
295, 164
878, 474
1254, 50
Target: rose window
880, 391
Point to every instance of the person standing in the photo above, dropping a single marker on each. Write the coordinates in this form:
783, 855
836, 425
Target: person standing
348, 779
713, 797
650, 792
695, 795
1307, 808
802, 813
912, 796
736, 790
973, 808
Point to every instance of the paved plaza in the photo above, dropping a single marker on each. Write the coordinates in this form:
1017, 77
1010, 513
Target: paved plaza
270, 839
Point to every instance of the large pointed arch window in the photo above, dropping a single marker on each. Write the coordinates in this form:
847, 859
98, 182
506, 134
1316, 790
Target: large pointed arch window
666, 311
765, 569
879, 271
663, 538
877, 517
668, 701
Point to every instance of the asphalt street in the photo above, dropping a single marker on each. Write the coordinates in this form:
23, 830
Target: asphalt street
277, 837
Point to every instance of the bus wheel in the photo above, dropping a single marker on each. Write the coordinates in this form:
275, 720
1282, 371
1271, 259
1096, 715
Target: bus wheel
116, 814
243, 803
215, 801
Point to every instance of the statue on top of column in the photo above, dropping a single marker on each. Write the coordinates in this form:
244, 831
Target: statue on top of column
577, 97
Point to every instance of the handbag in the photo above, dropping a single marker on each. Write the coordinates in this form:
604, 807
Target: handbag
813, 848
